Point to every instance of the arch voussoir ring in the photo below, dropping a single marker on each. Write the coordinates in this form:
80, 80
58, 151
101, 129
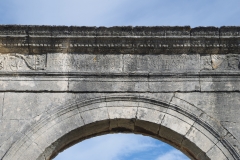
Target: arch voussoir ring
167, 122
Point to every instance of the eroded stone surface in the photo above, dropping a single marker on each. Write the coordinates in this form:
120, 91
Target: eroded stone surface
66, 84
1, 104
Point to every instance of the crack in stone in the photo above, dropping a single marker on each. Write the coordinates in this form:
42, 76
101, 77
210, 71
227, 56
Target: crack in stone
6, 153
123, 70
171, 99
228, 121
200, 85
82, 118
159, 128
10, 137
148, 81
215, 144
109, 125
3, 103
189, 130
187, 102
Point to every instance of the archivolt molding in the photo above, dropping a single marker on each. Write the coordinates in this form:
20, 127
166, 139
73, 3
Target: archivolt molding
193, 132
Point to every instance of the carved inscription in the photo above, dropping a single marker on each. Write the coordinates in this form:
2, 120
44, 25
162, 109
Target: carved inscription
164, 62
85, 62
20, 62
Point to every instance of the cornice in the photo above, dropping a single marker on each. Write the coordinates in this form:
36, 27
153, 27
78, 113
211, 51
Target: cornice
120, 39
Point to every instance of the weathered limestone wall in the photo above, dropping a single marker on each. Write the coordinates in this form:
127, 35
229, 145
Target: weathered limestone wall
60, 85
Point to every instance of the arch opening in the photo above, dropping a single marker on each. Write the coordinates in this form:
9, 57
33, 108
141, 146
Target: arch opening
121, 146
101, 128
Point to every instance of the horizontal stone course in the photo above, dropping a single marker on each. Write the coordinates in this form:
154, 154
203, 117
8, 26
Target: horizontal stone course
73, 64
159, 39
118, 30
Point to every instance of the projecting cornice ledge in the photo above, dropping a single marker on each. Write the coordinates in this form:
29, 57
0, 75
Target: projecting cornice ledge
120, 39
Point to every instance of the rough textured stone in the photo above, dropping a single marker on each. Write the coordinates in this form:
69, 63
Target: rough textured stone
33, 84
1, 104
186, 106
176, 124
223, 106
30, 105
146, 114
220, 84
60, 85
216, 153
194, 135
94, 115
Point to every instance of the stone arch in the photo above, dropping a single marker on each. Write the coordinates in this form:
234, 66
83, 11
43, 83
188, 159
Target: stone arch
185, 127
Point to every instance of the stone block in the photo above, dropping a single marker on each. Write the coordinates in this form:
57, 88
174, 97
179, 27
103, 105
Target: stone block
34, 84
108, 85
177, 122
53, 132
122, 118
216, 125
58, 62
28, 151
170, 136
216, 153
9, 142
160, 97
9, 127
95, 63
173, 84
174, 128
152, 105
150, 115
29, 105
193, 149
84, 107
198, 138
207, 133
154, 63
221, 147
140, 85
58, 118
95, 115
34, 152
189, 108
146, 127
230, 139
122, 103
220, 84
86, 97
122, 112
93, 129
232, 127
221, 106
202, 156
122, 125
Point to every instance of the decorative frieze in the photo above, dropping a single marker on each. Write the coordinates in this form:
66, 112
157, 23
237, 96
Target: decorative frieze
119, 63
150, 40
22, 62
